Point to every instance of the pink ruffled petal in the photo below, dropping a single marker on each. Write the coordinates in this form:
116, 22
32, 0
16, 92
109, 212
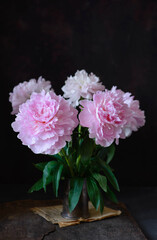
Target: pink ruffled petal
45, 122
111, 115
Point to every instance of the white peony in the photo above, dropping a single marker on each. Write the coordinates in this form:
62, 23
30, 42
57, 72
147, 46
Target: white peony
81, 85
23, 91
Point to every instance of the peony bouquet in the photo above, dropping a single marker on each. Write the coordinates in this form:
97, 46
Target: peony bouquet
78, 130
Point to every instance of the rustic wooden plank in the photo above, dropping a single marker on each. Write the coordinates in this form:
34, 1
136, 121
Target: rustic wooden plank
123, 227
19, 223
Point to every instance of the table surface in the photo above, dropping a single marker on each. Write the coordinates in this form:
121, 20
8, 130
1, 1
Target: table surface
140, 202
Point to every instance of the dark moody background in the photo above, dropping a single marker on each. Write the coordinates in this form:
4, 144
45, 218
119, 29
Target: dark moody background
116, 40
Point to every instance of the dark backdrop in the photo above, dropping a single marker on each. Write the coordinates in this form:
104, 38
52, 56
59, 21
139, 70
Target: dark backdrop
116, 40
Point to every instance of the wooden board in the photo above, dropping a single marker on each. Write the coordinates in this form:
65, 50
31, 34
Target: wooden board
17, 222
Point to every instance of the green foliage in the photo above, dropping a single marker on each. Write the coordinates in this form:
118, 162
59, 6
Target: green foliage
47, 172
93, 192
86, 150
56, 178
40, 165
81, 159
102, 180
107, 153
110, 194
76, 185
101, 203
109, 174
37, 186
110, 153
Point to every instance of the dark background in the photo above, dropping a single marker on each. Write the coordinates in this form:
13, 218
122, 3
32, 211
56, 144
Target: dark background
116, 40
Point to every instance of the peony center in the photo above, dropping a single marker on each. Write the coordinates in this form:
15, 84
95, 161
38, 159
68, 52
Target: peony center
107, 113
46, 111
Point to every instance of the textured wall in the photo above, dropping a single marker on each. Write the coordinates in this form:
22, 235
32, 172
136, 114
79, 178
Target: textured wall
116, 40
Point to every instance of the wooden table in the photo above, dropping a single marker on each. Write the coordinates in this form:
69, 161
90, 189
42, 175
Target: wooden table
18, 222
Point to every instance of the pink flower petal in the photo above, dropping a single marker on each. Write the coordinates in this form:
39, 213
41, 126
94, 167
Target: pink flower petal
45, 122
111, 115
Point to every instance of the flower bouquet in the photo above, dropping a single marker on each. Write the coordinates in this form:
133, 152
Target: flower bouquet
78, 131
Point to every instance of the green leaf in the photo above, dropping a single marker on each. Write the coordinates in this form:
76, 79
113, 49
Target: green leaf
76, 185
93, 192
106, 153
109, 174
101, 202
56, 178
39, 184
75, 140
58, 157
69, 149
111, 195
40, 165
102, 180
110, 153
86, 149
102, 153
47, 172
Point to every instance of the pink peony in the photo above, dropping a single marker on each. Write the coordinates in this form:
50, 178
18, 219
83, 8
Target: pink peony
136, 117
81, 85
109, 116
23, 91
45, 122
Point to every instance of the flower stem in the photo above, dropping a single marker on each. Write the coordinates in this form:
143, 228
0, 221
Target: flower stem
78, 161
79, 157
67, 160
79, 128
